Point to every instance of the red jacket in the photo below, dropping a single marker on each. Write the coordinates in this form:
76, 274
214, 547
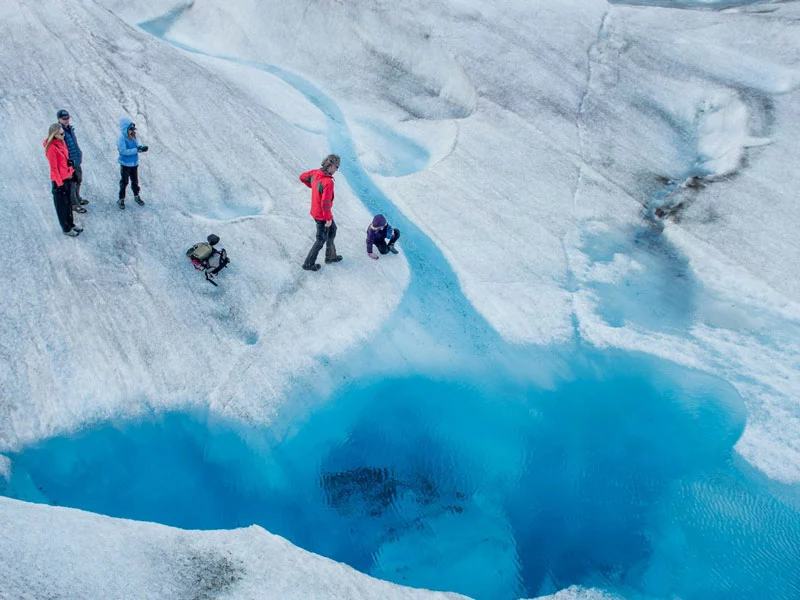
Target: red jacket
57, 155
321, 185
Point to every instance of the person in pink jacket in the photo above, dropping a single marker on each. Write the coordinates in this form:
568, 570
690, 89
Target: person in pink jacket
61, 172
321, 183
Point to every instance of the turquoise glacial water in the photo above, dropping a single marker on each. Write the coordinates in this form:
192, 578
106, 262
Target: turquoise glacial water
619, 475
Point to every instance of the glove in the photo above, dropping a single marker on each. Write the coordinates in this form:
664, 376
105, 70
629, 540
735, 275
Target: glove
143, 148
70, 162
373, 255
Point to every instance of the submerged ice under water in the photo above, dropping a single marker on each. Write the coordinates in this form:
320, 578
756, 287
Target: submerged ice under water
620, 476
604, 469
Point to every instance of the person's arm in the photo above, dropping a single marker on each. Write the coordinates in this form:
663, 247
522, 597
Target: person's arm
78, 151
52, 160
370, 252
306, 178
123, 148
326, 202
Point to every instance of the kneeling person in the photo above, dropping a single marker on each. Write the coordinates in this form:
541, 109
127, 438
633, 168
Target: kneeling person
205, 257
377, 233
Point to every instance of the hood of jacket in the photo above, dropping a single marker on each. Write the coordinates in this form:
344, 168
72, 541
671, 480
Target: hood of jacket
124, 123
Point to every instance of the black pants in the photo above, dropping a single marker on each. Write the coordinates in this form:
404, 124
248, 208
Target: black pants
383, 247
63, 204
126, 173
325, 235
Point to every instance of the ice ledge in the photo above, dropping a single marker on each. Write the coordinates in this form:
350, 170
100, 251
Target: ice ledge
61, 552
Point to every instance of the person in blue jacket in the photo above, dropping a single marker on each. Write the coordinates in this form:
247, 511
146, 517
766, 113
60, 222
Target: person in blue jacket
377, 233
76, 158
129, 149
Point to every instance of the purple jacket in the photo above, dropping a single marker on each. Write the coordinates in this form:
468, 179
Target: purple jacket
376, 235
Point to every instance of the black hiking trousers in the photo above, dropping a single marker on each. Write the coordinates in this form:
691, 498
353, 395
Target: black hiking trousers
325, 235
126, 173
63, 204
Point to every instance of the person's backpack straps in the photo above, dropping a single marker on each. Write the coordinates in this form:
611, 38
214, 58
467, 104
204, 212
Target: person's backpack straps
223, 261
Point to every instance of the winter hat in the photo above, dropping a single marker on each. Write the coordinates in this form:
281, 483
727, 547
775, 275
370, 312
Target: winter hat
62, 114
379, 222
213, 239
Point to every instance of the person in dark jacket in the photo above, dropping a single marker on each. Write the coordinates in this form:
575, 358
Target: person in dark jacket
76, 156
60, 174
129, 148
321, 183
377, 233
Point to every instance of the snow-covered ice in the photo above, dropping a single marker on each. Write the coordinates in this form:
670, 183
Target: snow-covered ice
513, 135
84, 555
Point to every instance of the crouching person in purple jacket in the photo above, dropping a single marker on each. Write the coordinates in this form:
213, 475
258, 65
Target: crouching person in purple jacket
378, 232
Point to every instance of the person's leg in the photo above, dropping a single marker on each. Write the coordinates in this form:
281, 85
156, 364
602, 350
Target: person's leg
330, 248
382, 247
124, 174
77, 183
67, 203
394, 238
135, 180
319, 242
63, 208
73, 193
74, 185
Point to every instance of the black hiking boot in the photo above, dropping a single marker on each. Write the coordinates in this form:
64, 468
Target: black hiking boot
333, 259
121, 203
315, 267
78, 208
138, 200
83, 201
393, 250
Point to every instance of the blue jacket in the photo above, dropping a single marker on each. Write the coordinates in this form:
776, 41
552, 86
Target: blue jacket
75, 154
128, 149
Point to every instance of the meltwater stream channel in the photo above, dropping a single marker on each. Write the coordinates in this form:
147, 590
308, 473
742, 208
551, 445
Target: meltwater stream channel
511, 472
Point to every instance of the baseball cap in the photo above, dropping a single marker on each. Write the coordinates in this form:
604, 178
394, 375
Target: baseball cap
62, 114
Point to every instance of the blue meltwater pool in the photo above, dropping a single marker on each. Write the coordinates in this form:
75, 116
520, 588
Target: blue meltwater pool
619, 474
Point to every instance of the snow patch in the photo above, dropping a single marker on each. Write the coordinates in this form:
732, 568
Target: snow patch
580, 593
722, 134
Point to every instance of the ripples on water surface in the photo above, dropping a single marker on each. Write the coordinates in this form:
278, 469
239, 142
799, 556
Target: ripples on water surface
621, 476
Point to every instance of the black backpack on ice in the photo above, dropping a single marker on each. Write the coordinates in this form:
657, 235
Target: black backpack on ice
208, 259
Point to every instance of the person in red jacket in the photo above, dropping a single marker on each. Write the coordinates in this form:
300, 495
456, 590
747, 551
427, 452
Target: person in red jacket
61, 172
321, 183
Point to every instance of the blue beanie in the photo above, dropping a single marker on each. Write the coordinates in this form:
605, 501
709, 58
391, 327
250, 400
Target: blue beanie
379, 221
